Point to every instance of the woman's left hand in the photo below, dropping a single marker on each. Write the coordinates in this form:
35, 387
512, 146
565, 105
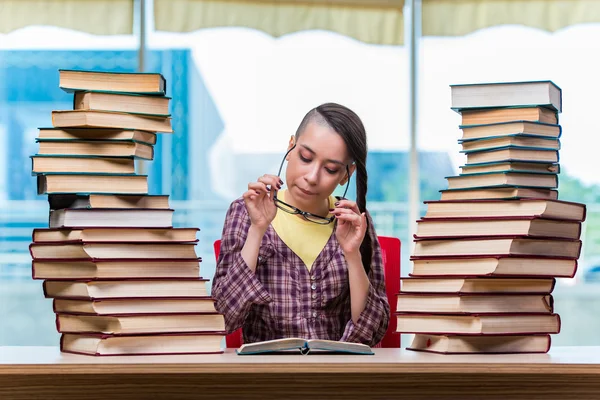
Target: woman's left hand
351, 226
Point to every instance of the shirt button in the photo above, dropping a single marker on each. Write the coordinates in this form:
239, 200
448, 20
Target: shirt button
313, 286
312, 278
314, 296
314, 314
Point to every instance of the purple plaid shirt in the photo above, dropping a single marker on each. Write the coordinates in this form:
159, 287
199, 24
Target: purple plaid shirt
283, 299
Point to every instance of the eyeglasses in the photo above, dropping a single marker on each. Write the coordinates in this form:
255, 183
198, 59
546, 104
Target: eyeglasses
317, 219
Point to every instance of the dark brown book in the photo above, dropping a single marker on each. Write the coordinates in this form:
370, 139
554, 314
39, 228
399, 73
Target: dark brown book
111, 250
73, 183
134, 306
487, 285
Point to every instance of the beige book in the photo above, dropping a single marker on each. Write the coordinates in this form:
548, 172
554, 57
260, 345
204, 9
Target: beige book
60, 201
108, 165
116, 269
476, 285
514, 154
474, 181
503, 208
494, 266
496, 115
121, 102
470, 132
115, 148
82, 251
478, 324
510, 166
489, 344
91, 183
115, 218
137, 324
107, 234
145, 83
467, 227
98, 290
515, 141
97, 134
499, 193
134, 306
497, 246
109, 119
104, 345
474, 303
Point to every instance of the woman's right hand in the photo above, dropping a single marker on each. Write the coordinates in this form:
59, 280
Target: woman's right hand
259, 200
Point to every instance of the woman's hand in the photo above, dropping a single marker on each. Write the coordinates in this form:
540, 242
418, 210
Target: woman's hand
259, 200
351, 226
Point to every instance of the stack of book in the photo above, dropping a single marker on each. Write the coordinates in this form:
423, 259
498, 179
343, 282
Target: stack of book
487, 254
122, 279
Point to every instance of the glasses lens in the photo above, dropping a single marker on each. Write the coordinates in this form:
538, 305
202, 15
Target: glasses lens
317, 220
285, 207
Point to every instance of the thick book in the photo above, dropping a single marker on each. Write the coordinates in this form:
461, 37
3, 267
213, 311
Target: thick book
506, 94
97, 134
490, 344
107, 200
110, 119
504, 193
125, 289
438, 228
111, 217
508, 245
140, 324
303, 346
110, 233
112, 250
552, 209
133, 82
45, 163
493, 266
487, 285
449, 303
121, 102
134, 306
116, 269
503, 179
510, 128
509, 114
513, 141
512, 154
91, 183
112, 148
478, 324
516, 166
142, 345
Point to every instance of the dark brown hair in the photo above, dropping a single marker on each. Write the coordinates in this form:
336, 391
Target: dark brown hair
349, 126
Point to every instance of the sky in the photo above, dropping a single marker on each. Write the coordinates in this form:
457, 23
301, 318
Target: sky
263, 86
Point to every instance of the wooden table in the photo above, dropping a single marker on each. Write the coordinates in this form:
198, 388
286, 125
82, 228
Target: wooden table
43, 372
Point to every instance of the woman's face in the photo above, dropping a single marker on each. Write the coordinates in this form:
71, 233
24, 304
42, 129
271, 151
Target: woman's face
316, 166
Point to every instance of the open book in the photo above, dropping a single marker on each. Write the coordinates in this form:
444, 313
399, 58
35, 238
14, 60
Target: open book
303, 346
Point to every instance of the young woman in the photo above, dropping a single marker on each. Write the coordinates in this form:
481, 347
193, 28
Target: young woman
300, 262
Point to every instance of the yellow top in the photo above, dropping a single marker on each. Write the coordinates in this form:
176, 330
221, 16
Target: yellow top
306, 239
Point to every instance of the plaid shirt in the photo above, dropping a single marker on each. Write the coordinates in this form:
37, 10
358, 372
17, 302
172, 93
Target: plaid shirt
283, 299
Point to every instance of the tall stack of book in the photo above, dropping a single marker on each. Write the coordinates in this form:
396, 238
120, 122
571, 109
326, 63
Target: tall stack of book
122, 279
487, 254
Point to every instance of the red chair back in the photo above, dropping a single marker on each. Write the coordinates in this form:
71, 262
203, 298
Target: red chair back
390, 252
